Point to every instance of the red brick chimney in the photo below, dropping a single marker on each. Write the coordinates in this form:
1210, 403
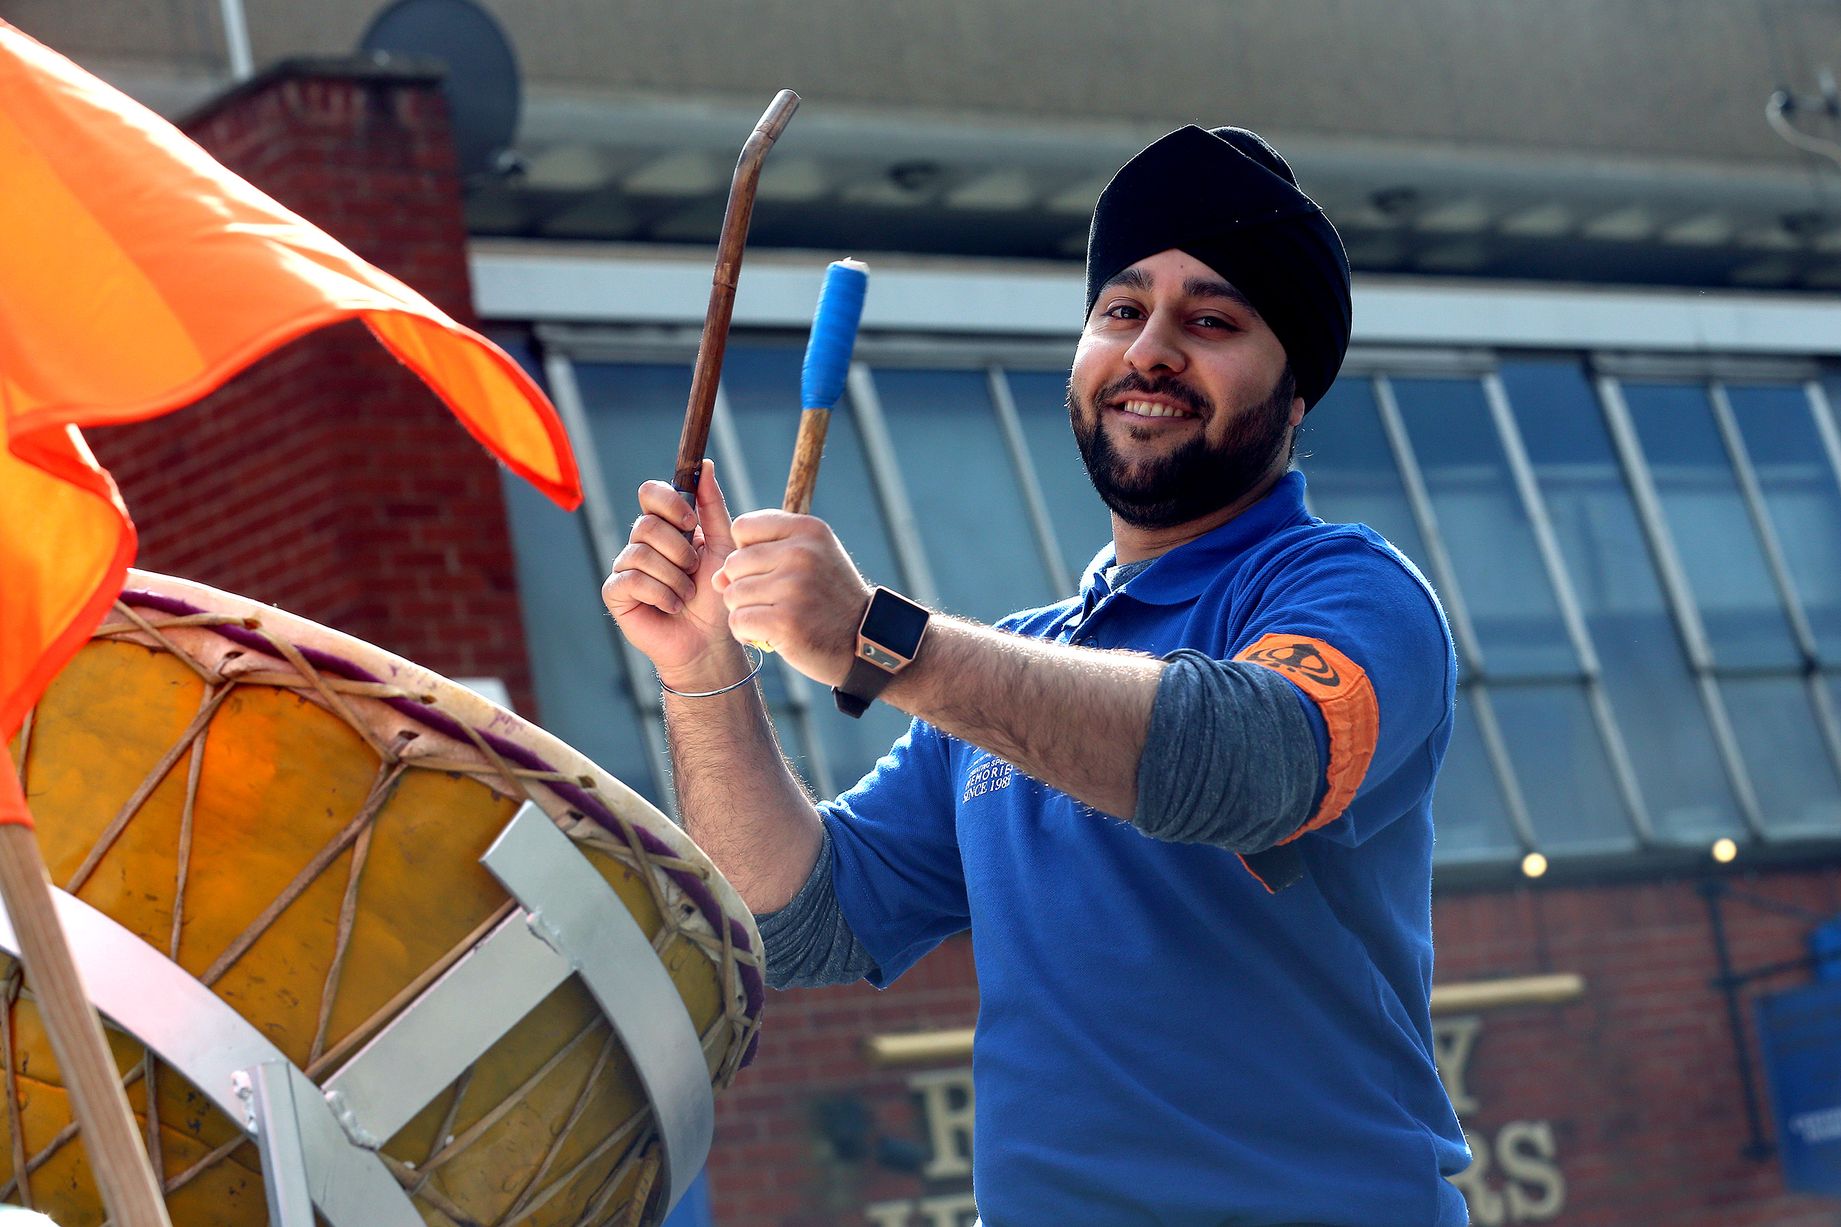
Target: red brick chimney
327, 478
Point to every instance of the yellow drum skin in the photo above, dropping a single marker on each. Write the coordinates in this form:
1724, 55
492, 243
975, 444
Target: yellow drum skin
251, 830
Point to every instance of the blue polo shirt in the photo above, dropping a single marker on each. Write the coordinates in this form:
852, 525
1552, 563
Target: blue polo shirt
1161, 1039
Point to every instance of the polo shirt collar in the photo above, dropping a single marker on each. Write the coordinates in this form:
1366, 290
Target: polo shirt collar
1185, 571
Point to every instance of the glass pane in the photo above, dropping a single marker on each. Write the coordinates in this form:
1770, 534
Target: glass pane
580, 677
761, 385
1802, 497
1789, 765
576, 666
1082, 523
1707, 519
960, 481
636, 412
1485, 528
1572, 799
1645, 673
1352, 479
1472, 818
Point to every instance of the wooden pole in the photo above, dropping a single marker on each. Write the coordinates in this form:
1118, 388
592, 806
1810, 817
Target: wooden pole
808, 450
130, 1192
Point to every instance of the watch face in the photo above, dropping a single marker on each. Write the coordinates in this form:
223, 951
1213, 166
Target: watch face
894, 623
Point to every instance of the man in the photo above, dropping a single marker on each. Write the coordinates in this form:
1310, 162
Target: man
1185, 814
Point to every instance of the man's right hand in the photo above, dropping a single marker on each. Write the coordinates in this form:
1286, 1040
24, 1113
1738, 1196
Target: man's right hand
660, 591
738, 798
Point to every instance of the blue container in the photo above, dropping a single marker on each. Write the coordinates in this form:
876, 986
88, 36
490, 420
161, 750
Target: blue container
694, 1210
1825, 948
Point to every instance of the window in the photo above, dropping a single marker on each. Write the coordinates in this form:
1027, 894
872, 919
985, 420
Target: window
1643, 574
1760, 656
1610, 568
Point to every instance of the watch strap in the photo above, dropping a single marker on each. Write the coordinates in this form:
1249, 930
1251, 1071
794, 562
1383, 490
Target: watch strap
861, 686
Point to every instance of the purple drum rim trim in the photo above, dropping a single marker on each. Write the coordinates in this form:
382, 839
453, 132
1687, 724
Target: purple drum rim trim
753, 988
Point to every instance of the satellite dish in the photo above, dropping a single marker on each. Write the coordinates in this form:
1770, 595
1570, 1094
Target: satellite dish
482, 85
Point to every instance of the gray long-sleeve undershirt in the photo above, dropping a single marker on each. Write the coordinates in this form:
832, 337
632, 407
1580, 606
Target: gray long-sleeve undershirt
1230, 760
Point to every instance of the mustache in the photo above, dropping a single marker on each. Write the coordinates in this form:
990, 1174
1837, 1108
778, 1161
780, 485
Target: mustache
1168, 386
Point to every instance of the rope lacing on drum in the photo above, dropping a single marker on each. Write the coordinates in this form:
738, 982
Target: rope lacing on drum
154, 630
348, 918
409, 992
589, 1086
740, 1026
531, 1198
62, 1137
642, 1192
446, 1132
621, 1171
512, 784
406, 1176
644, 1158
15, 1125
207, 708
388, 776
182, 875
450, 1147
222, 1152
331, 694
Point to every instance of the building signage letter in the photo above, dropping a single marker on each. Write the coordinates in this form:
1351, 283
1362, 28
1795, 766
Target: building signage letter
946, 1102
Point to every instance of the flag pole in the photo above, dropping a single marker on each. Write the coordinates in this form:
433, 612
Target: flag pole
118, 1160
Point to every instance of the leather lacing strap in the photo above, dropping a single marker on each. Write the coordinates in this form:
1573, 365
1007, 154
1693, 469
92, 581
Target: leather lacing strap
207, 708
642, 1192
21, 1171
535, 1183
388, 776
157, 632
409, 992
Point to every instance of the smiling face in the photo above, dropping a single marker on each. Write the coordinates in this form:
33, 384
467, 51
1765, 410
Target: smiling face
1180, 396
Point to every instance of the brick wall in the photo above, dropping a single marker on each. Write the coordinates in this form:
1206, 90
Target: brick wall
1639, 1078
782, 1156
1636, 1082
327, 479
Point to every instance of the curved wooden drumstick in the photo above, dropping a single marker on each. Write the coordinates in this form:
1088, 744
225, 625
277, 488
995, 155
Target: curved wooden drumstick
708, 371
821, 380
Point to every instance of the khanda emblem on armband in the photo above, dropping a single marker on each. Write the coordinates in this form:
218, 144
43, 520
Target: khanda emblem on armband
1300, 657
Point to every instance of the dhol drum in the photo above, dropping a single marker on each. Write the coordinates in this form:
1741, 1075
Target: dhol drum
486, 982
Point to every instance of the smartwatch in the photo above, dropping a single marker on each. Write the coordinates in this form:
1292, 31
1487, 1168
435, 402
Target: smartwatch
888, 639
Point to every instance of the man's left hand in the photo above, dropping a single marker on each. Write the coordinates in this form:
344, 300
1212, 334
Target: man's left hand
790, 584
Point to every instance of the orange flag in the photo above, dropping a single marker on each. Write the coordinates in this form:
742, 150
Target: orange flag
137, 275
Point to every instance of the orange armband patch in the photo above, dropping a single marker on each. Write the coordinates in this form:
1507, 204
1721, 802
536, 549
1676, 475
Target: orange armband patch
1345, 697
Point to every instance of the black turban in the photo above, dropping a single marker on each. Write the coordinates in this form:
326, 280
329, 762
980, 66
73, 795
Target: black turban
1226, 198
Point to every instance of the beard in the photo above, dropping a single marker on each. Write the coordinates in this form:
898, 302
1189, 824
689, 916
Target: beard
1196, 479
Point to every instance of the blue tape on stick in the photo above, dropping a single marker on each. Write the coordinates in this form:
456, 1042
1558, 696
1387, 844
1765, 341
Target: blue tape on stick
834, 334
